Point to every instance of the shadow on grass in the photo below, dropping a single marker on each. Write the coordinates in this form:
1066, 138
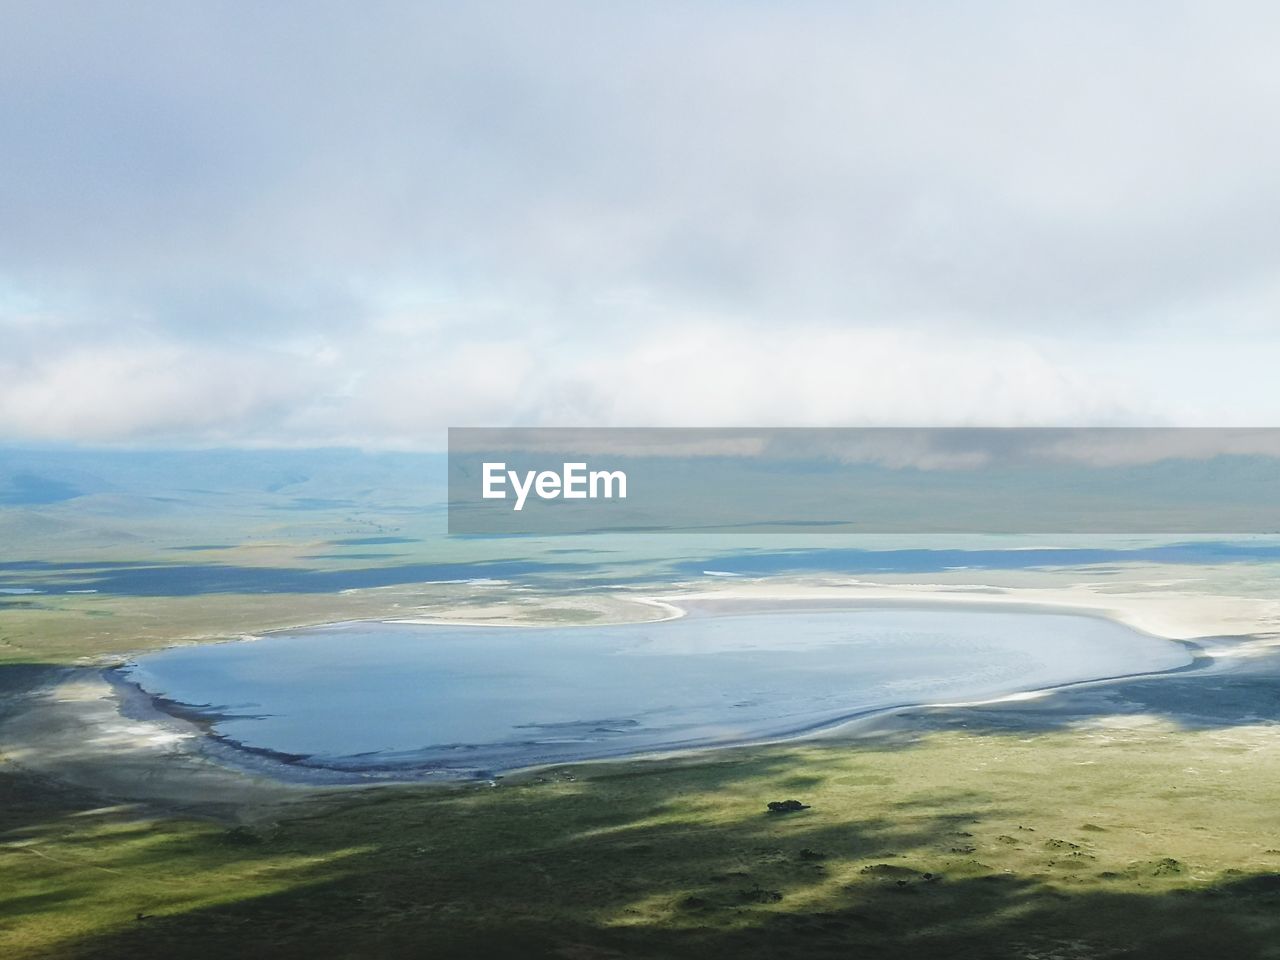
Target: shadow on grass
666, 862
1193, 700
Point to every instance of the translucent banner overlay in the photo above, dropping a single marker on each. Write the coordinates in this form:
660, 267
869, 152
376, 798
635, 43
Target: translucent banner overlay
953, 480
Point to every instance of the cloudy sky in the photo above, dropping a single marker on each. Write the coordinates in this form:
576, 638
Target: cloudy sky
311, 223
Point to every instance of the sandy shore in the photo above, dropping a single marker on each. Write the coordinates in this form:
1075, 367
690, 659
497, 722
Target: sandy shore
72, 729
1158, 611
82, 729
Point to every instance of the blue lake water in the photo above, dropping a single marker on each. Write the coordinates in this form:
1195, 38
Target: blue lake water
590, 566
421, 700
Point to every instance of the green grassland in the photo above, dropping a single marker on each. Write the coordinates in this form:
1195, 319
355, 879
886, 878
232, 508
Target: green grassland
1137, 822
1141, 823
1133, 839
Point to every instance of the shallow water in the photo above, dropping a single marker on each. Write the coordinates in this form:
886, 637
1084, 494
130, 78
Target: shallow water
468, 701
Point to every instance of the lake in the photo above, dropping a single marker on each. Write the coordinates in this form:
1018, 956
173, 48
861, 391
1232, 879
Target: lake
411, 700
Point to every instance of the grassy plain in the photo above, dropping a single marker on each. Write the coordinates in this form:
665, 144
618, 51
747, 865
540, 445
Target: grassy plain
1132, 820
956, 834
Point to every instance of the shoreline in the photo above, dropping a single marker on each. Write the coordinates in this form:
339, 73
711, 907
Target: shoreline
173, 757
301, 769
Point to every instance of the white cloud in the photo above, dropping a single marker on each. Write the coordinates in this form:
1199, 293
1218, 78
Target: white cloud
366, 224
161, 391
395, 390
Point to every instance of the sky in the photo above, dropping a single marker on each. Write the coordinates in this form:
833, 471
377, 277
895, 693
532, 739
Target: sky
323, 223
